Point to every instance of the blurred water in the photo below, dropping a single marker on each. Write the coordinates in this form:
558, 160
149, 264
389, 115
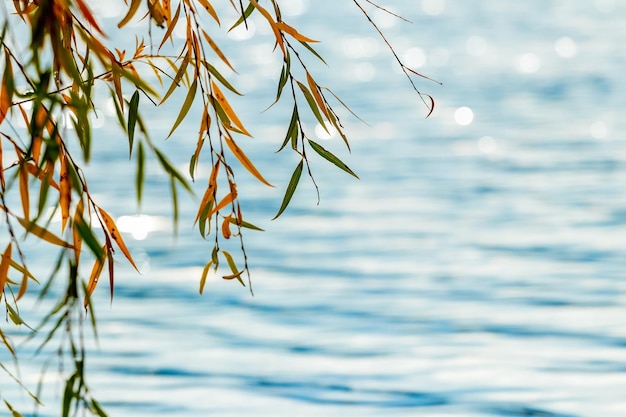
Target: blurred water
475, 269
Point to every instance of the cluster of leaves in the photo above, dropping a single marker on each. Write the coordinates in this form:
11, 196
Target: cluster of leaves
66, 60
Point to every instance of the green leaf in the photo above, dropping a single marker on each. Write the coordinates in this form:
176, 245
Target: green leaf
14, 413
233, 267
291, 188
141, 172
312, 104
97, 409
330, 157
173, 172
89, 238
132, 120
245, 224
68, 395
243, 17
191, 95
221, 78
292, 131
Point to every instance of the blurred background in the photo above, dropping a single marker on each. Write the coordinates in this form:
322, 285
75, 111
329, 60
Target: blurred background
475, 269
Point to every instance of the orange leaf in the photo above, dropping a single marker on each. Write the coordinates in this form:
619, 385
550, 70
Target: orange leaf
293, 32
134, 5
221, 99
273, 25
5, 262
209, 194
65, 192
228, 198
24, 191
95, 276
226, 227
5, 100
210, 10
317, 95
116, 236
236, 150
217, 50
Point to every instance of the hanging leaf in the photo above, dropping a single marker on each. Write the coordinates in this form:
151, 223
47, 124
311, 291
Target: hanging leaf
116, 236
205, 273
42, 233
134, 5
210, 10
217, 50
170, 28
65, 191
236, 150
133, 108
247, 225
330, 157
221, 100
23, 174
191, 95
291, 188
312, 104
293, 32
96, 271
5, 262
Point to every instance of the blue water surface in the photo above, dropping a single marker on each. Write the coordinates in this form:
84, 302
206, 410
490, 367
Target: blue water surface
475, 269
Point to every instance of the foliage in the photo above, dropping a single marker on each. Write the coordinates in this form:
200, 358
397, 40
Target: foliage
67, 59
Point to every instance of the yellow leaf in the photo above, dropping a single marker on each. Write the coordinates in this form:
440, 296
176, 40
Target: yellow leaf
24, 191
236, 150
217, 50
96, 271
273, 25
5, 100
134, 5
114, 233
221, 99
42, 233
293, 32
5, 261
23, 286
210, 10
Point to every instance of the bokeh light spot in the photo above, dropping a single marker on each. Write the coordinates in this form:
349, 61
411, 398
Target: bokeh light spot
487, 145
433, 7
598, 130
528, 63
476, 45
464, 116
565, 47
415, 57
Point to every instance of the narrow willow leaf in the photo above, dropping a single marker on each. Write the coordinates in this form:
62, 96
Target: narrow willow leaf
214, 72
226, 227
68, 395
217, 50
243, 17
313, 51
317, 96
221, 99
23, 286
170, 28
133, 108
116, 236
233, 267
191, 95
24, 195
179, 75
5, 262
292, 130
432, 104
23, 270
209, 194
134, 5
78, 242
330, 157
291, 188
97, 409
87, 236
293, 32
6, 90
42, 233
205, 273
241, 156
245, 224
65, 190
96, 271
210, 10
6, 343
312, 104
141, 172
173, 172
